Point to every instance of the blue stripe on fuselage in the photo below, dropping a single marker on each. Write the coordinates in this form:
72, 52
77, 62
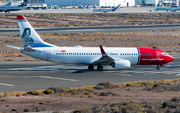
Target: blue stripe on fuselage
41, 45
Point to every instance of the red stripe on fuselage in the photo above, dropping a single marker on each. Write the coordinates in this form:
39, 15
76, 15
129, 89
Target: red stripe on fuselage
149, 56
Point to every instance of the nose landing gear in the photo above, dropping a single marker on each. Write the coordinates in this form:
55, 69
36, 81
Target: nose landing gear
158, 67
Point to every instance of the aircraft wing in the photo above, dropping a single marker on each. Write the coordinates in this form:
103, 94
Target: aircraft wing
105, 59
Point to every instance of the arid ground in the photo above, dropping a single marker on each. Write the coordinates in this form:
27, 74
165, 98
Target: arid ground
70, 20
104, 96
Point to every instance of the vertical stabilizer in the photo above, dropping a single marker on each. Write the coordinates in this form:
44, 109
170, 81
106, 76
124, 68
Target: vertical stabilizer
116, 8
24, 3
9, 3
29, 36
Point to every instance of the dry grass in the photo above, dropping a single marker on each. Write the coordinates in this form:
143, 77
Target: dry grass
69, 20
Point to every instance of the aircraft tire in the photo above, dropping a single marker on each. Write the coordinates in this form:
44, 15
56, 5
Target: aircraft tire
91, 67
113, 64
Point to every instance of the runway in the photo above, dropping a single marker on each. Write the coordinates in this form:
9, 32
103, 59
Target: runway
37, 75
136, 28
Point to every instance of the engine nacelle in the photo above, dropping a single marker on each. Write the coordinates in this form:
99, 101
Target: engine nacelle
123, 64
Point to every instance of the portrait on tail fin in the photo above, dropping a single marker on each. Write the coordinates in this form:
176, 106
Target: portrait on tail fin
27, 40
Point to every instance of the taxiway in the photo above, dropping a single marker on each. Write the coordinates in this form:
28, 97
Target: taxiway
136, 28
130, 10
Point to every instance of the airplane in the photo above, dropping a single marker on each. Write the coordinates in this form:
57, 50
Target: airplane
172, 8
8, 7
117, 57
105, 10
9, 3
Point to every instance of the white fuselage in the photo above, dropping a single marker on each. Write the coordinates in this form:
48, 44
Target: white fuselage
11, 8
103, 10
83, 55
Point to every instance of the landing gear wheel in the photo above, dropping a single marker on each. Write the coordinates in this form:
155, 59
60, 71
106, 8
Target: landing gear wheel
113, 64
91, 67
100, 68
157, 68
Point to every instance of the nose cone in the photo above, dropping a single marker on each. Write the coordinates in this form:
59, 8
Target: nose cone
171, 58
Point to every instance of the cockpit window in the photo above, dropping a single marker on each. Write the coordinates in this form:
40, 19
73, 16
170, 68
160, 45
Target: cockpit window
165, 54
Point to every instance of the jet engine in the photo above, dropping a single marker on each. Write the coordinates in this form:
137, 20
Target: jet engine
123, 64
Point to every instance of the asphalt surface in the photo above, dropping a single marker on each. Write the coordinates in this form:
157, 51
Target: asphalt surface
5, 32
28, 75
130, 10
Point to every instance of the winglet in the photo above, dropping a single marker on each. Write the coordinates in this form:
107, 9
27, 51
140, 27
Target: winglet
102, 50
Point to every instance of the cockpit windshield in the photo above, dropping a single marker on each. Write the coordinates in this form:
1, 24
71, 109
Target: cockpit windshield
165, 54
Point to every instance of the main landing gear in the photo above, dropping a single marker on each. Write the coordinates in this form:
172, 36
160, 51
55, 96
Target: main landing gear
158, 67
7, 11
91, 67
113, 64
99, 67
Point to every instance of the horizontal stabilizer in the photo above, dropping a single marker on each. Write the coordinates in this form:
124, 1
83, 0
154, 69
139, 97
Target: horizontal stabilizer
19, 48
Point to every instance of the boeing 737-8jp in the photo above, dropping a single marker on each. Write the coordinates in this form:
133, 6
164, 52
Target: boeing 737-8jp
117, 57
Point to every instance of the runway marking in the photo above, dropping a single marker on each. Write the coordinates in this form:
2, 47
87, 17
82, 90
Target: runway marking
177, 74
125, 74
48, 77
43, 68
116, 72
6, 84
154, 72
